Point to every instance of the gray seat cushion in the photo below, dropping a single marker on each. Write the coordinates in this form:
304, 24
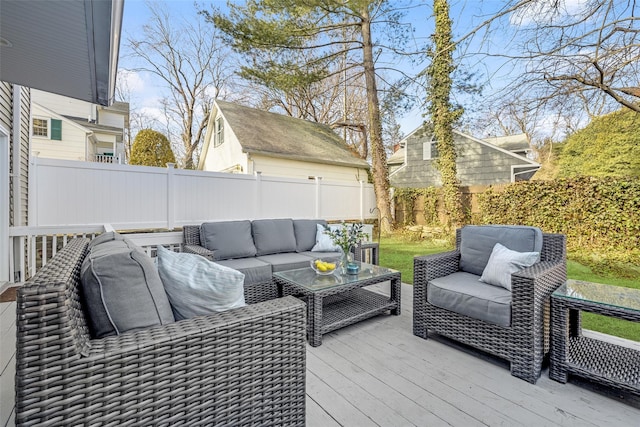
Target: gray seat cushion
122, 289
254, 270
288, 261
273, 236
305, 231
477, 242
228, 239
464, 294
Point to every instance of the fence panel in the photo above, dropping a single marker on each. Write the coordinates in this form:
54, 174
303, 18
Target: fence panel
71, 193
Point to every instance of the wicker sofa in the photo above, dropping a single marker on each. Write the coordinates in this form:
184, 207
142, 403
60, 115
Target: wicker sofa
245, 366
520, 333
262, 247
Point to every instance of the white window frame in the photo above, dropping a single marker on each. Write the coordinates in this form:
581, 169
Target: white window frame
427, 149
44, 119
219, 132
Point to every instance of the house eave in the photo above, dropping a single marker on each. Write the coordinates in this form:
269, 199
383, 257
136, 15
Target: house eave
65, 47
359, 165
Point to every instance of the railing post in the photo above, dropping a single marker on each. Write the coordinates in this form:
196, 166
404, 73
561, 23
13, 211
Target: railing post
171, 211
32, 219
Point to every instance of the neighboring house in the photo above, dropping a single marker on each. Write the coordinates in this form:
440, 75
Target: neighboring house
67, 47
479, 162
517, 144
246, 140
70, 129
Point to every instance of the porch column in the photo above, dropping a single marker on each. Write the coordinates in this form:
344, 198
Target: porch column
4, 203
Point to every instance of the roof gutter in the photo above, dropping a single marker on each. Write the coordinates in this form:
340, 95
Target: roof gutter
362, 165
117, 12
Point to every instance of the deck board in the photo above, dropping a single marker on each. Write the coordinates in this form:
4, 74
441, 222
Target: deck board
377, 373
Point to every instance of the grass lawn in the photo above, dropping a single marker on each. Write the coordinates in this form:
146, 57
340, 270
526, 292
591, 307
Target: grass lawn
397, 252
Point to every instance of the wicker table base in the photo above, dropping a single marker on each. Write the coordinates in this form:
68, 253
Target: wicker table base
345, 303
571, 353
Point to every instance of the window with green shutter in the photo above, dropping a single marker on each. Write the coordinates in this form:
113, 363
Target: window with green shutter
56, 129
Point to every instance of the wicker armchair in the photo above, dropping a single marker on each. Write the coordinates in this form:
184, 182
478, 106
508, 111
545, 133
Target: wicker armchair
241, 367
525, 342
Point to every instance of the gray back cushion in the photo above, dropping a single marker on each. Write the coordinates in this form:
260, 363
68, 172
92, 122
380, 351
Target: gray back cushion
477, 242
305, 230
273, 236
228, 239
122, 290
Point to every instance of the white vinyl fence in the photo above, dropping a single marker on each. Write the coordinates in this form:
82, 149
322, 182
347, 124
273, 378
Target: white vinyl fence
70, 193
77, 199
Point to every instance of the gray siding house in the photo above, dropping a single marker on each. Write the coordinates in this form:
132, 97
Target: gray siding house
479, 162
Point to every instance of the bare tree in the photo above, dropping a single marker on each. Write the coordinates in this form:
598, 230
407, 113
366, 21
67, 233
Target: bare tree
191, 61
138, 118
583, 55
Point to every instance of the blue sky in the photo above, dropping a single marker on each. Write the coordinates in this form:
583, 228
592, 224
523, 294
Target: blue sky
465, 14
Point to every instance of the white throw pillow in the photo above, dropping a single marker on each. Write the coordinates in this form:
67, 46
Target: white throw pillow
503, 262
323, 241
196, 286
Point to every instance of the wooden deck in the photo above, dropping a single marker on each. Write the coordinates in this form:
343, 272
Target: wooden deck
376, 373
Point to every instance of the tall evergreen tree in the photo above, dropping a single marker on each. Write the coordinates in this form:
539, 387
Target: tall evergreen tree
276, 34
443, 113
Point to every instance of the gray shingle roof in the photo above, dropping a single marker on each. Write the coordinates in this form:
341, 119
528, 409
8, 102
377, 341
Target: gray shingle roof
277, 135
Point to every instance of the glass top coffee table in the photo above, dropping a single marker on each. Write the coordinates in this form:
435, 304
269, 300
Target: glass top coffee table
572, 353
336, 300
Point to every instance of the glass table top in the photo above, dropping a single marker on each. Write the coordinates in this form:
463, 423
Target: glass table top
614, 296
309, 279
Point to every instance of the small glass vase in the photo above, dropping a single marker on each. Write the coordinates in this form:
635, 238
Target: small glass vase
345, 261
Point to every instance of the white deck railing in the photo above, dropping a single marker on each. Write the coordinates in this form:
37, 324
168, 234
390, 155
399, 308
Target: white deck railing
32, 247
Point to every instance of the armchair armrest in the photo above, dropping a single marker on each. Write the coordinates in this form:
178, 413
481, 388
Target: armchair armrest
198, 250
429, 267
367, 252
425, 268
180, 373
531, 290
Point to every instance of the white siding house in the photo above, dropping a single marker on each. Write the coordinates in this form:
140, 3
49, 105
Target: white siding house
70, 129
246, 140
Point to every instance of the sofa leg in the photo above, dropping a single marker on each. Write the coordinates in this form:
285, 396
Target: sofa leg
525, 371
420, 331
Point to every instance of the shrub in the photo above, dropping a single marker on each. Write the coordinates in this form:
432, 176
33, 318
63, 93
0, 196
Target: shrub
151, 148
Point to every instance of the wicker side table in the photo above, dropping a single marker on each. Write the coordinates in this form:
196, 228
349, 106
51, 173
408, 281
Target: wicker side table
572, 353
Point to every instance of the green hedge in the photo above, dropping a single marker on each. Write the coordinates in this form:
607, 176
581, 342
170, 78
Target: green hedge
596, 213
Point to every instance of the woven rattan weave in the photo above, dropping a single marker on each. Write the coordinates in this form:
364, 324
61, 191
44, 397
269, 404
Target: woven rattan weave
526, 341
243, 367
572, 353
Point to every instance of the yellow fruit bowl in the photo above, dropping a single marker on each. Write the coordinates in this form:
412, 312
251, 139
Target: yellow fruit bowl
324, 266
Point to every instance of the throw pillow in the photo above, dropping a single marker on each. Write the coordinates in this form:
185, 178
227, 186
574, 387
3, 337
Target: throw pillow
503, 262
228, 239
323, 241
197, 286
121, 289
